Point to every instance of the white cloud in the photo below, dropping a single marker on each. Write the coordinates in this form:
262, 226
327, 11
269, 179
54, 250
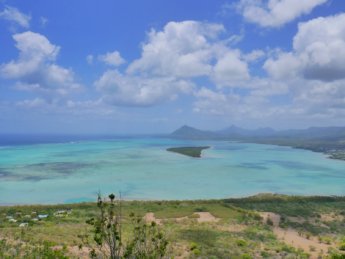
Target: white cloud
171, 60
125, 90
254, 55
32, 103
230, 69
112, 58
318, 52
68, 107
89, 107
275, 13
14, 15
181, 49
213, 102
286, 65
35, 68
254, 103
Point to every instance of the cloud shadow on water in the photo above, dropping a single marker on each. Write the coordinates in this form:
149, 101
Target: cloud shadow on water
41, 171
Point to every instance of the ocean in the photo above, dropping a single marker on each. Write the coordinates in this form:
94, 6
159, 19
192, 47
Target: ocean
69, 169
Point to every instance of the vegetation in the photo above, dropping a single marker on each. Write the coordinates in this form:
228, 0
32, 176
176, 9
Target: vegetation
188, 151
328, 140
147, 241
337, 155
236, 228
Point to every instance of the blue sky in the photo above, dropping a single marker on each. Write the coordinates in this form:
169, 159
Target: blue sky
152, 66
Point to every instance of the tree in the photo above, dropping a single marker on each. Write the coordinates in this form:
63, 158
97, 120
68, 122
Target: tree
147, 240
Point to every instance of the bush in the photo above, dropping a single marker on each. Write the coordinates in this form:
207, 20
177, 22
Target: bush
246, 256
241, 242
193, 246
269, 222
342, 246
200, 209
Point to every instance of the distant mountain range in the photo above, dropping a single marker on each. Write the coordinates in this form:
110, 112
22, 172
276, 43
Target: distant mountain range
321, 139
234, 132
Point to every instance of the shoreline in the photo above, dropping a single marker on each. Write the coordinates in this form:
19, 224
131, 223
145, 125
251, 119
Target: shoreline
258, 196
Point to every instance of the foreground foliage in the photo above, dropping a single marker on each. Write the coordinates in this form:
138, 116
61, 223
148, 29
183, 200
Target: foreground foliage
147, 240
238, 232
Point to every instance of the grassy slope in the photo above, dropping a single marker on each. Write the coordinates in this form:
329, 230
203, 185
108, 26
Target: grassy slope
187, 237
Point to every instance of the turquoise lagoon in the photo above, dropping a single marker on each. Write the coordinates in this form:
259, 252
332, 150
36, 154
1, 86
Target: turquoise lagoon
141, 168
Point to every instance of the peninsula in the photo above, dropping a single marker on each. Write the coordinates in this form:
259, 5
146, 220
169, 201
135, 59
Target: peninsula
188, 151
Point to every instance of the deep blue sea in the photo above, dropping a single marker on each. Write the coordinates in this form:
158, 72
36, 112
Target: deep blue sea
64, 169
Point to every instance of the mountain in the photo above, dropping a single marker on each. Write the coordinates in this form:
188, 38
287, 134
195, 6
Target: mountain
232, 132
329, 140
237, 133
186, 132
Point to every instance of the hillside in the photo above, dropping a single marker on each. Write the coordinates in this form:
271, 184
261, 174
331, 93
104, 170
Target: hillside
330, 140
263, 226
186, 132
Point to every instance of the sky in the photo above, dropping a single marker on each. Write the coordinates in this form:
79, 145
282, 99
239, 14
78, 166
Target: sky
151, 66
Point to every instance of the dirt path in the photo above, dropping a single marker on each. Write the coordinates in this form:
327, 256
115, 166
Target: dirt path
203, 217
74, 251
150, 217
233, 228
291, 237
206, 217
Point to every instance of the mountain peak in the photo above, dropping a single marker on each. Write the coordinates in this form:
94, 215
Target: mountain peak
189, 132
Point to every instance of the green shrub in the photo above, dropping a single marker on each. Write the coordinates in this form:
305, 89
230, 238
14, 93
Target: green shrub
193, 246
200, 209
241, 242
246, 256
342, 246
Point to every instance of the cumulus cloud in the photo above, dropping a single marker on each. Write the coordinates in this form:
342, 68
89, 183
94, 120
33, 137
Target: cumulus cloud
230, 69
171, 60
214, 102
35, 68
174, 59
189, 49
181, 49
127, 90
318, 52
112, 58
275, 13
15, 16
253, 103
254, 55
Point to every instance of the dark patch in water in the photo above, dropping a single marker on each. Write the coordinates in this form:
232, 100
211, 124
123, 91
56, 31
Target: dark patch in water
41, 171
32, 178
298, 165
258, 166
9, 176
284, 149
58, 167
4, 173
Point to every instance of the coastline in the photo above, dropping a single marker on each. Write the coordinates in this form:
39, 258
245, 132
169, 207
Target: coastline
258, 196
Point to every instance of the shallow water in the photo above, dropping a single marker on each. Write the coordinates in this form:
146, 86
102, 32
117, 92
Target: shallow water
141, 168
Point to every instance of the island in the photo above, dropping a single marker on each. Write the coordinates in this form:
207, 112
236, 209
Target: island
188, 151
